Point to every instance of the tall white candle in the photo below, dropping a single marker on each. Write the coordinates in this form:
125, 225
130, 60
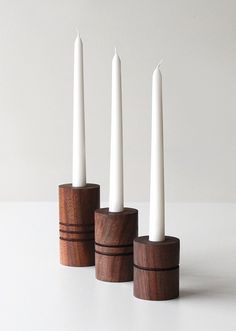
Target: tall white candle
157, 198
79, 158
116, 203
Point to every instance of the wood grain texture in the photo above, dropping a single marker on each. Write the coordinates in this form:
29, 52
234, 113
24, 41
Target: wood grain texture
156, 268
77, 204
76, 226
77, 253
116, 228
156, 285
114, 268
156, 255
114, 235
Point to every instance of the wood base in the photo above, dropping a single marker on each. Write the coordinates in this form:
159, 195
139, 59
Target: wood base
76, 253
114, 234
76, 213
156, 268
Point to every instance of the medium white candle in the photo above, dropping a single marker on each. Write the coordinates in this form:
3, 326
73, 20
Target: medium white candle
157, 198
116, 203
79, 158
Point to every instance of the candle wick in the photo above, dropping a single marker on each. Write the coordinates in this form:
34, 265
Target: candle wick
159, 63
115, 50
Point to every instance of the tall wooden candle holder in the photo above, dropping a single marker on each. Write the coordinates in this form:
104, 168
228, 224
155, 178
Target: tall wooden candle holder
156, 268
114, 235
76, 214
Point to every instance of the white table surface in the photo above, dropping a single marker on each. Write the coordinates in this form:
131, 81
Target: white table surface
37, 293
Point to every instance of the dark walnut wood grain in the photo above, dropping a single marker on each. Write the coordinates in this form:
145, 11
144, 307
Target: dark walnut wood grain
156, 268
77, 253
114, 235
77, 204
76, 226
156, 285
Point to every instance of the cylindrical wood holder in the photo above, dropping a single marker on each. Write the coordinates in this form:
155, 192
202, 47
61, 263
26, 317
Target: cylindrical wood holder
76, 214
114, 235
156, 268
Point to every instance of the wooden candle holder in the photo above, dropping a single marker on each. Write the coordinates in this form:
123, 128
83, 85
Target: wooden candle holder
76, 214
114, 235
156, 268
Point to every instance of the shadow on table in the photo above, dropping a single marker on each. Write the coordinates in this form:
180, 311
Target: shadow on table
207, 286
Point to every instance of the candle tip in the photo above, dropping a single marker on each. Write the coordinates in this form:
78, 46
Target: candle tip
78, 33
115, 50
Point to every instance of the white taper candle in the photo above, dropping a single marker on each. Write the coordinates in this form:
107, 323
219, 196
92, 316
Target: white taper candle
157, 196
116, 200
79, 157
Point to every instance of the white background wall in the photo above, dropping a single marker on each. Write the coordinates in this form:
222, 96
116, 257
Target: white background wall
196, 39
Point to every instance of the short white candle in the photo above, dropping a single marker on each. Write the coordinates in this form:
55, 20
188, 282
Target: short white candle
157, 197
79, 158
116, 203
